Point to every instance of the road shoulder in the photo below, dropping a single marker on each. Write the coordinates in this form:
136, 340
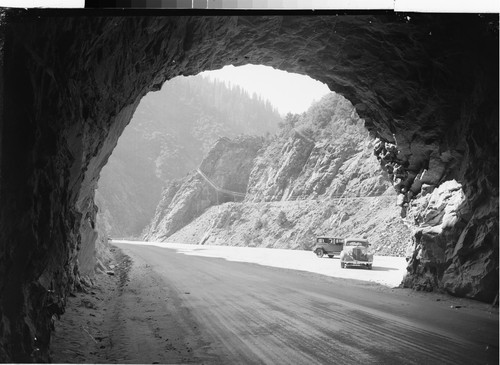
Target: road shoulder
127, 315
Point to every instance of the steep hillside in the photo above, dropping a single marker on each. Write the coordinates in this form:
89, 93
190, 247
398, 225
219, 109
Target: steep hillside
221, 177
295, 224
324, 153
319, 176
171, 131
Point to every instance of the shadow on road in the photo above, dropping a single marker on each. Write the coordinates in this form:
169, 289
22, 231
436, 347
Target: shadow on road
374, 268
383, 268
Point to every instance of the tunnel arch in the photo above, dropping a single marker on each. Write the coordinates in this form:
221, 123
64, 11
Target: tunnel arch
71, 84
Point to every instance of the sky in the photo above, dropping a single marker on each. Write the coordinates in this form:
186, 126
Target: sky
288, 92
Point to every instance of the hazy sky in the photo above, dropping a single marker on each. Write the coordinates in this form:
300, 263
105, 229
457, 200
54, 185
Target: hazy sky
288, 92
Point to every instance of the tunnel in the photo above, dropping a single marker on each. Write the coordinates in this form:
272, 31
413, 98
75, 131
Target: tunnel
71, 81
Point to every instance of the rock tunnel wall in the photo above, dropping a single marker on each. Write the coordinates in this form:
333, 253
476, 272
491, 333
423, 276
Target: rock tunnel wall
71, 82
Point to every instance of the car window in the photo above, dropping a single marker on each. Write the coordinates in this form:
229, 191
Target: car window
356, 243
335, 241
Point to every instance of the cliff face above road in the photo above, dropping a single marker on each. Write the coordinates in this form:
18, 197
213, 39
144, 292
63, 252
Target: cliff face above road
324, 153
222, 176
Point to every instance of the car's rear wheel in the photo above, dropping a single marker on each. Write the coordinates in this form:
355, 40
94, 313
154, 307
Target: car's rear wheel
319, 252
330, 256
369, 267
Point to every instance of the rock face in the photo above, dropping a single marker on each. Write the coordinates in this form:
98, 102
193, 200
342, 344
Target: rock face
326, 152
222, 176
428, 83
317, 177
444, 255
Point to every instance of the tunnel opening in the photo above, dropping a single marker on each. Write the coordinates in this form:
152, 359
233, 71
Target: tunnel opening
168, 158
173, 129
66, 103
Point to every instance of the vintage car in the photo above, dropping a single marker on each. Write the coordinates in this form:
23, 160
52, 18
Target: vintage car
356, 253
330, 246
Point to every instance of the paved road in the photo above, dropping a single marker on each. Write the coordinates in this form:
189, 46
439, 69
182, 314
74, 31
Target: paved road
387, 270
240, 313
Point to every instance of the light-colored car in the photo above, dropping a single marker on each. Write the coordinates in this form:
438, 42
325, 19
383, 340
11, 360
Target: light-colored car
356, 253
330, 246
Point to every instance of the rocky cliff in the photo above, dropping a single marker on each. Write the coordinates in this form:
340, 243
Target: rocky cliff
325, 153
452, 242
425, 82
317, 177
222, 176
